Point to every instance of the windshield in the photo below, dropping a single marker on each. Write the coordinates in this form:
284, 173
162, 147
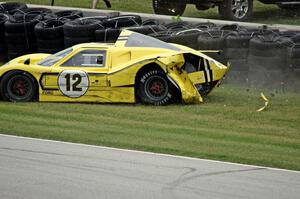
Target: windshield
139, 40
49, 61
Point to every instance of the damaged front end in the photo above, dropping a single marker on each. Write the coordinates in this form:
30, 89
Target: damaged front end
196, 75
205, 72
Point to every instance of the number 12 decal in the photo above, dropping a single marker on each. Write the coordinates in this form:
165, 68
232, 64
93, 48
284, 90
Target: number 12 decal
77, 78
73, 83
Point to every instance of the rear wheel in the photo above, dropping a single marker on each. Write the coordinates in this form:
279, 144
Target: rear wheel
154, 88
168, 7
18, 86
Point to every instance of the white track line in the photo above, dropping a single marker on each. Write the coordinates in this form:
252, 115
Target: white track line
148, 153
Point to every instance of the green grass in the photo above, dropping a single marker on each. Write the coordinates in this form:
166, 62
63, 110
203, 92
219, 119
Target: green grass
225, 127
269, 14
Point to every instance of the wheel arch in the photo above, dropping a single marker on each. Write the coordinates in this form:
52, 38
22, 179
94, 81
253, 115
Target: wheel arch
155, 66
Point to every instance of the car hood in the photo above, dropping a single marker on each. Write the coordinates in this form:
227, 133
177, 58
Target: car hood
32, 58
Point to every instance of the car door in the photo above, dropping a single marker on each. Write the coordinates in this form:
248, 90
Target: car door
82, 77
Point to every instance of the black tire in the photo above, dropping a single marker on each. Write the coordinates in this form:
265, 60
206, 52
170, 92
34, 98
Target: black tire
212, 40
269, 46
230, 27
19, 86
189, 39
154, 88
163, 36
12, 7
237, 45
50, 29
204, 26
168, 7
227, 11
14, 26
13, 55
65, 14
150, 22
177, 26
82, 27
49, 51
71, 41
146, 29
24, 48
19, 38
50, 44
294, 57
30, 13
122, 21
107, 35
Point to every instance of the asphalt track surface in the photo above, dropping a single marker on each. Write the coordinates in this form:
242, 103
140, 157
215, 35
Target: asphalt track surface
38, 169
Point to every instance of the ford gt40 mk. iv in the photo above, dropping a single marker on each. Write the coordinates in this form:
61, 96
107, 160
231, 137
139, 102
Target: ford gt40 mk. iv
137, 68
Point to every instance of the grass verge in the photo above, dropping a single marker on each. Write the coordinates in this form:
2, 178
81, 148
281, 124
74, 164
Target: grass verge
225, 127
263, 13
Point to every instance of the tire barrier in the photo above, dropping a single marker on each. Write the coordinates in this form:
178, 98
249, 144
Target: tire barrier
107, 35
81, 30
267, 59
19, 32
213, 40
146, 29
3, 47
236, 51
65, 14
50, 35
122, 21
11, 7
31, 13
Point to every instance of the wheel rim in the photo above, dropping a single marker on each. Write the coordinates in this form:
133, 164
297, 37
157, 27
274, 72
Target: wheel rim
19, 87
156, 88
240, 8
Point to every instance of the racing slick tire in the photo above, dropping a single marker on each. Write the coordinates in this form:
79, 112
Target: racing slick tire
167, 7
19, 86
153, 87
236, 10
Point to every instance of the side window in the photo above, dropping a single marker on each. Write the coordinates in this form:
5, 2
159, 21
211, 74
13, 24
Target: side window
87, 58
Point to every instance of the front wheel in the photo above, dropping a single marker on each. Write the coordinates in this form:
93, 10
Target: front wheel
18, 86
236, 10
154, 88
168, 7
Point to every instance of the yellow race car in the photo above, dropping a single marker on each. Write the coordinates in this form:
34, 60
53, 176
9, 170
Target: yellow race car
137, 68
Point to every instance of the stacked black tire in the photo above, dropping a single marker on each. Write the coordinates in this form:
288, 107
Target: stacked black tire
50, 33
293, 79
3, 47
19, 31
267, 59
